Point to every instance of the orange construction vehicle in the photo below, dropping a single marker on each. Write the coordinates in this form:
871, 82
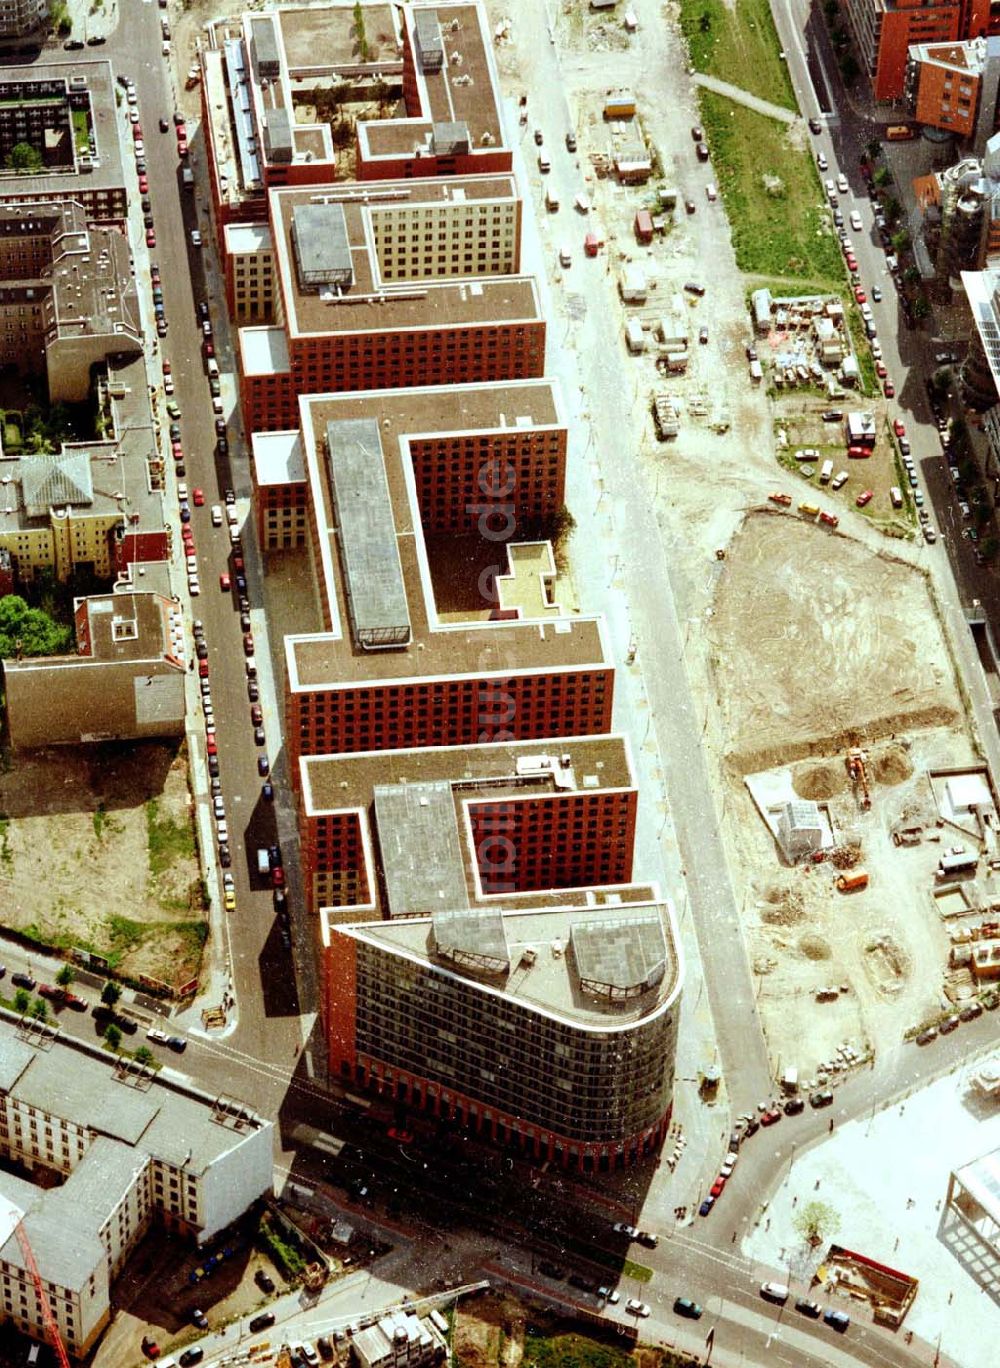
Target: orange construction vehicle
853, 882
857, 768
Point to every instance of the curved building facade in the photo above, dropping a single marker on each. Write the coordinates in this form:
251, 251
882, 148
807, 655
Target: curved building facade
552, 1031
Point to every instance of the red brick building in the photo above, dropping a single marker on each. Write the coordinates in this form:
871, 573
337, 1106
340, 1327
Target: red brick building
519, 816
413, 284
884, 30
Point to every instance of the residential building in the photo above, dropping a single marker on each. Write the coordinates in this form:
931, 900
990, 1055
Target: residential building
67, 111
67, 296
124, 682
264, 71
550, 1030
102, 1149
945, 83
22, 18
501, 818
399, 284
885, 30
388, 670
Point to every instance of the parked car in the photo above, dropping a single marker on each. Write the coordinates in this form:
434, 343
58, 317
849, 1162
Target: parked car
637, 1308
684, 1306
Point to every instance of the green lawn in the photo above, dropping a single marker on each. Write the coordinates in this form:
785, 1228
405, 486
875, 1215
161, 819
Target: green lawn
737, 42
781, 228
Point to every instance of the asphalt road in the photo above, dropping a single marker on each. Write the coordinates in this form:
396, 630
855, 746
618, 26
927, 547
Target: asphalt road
268, 1029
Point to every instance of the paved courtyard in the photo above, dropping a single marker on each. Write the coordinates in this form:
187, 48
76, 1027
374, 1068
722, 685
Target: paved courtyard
891, 1210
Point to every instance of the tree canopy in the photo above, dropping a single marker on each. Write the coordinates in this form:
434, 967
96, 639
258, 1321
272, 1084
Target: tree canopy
31, 630
24, 157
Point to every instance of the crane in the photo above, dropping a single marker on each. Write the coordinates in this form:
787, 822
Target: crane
12, 1220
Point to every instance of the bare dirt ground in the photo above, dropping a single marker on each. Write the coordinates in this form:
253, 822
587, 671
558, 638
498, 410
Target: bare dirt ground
816, 641
97, 852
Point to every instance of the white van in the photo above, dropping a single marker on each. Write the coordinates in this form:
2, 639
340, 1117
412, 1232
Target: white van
826, 470
565, 256
544, 165
774, 1292
896, 495
712, 193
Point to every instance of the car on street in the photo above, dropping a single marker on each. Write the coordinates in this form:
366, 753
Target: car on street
637, 1308
195, 238
150, 237
815, 126
852, 261
266, 1318
157, 1036
649, 1238
198, 1316
706, 1206
697, 133
805, 1307
832, 415
305, 1353
876, 294
267, 792
821, 161
824, 1098
889, 389
771, 1117
143, 183
259, 739
620, 1228
684, 1306
949, 1024
225, 583
191, 1356
971, 1011
860, 295
837, 1320
856, 223
925, 1037
774, 1292
842, 185
899, 427
717, 1187
794, 1106
880, 370
609, 1294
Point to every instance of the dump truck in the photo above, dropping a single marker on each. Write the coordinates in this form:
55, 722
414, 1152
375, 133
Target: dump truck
853, 881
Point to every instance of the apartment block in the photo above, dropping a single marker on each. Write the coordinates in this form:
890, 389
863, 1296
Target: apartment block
67, 111
102, 1149
502, 818
124, 682
67, 296
281, 90
884, 31
396, 284
22, 18
388, 671
946, 81
550, 1030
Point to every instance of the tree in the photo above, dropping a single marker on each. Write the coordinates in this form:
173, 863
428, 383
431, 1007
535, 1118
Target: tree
816, 1222
144, 1055
30, 631
110, 993
24, 157
873, 148
882, 176
21, 999
113, 1035
920, 307
900, 240
66, 976
39, 1009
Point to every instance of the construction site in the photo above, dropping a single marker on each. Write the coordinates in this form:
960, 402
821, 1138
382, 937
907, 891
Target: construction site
857, 813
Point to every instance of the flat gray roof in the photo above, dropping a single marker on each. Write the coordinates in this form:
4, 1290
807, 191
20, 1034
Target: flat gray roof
474, 937
322, 247
374, 587
422, 858
623, 958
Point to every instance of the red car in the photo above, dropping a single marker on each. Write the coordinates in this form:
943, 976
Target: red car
207, 347
166, 363
225, 583
880, 370
211, 747
137, 132
852, 262
150, 237
864, 497
198, 497
859, 453
277, 877
182, 147
771, 1117
888, 389
202, 669
860, 295
402, 1137
899, 427
717, 1186
181, 130
143, 184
